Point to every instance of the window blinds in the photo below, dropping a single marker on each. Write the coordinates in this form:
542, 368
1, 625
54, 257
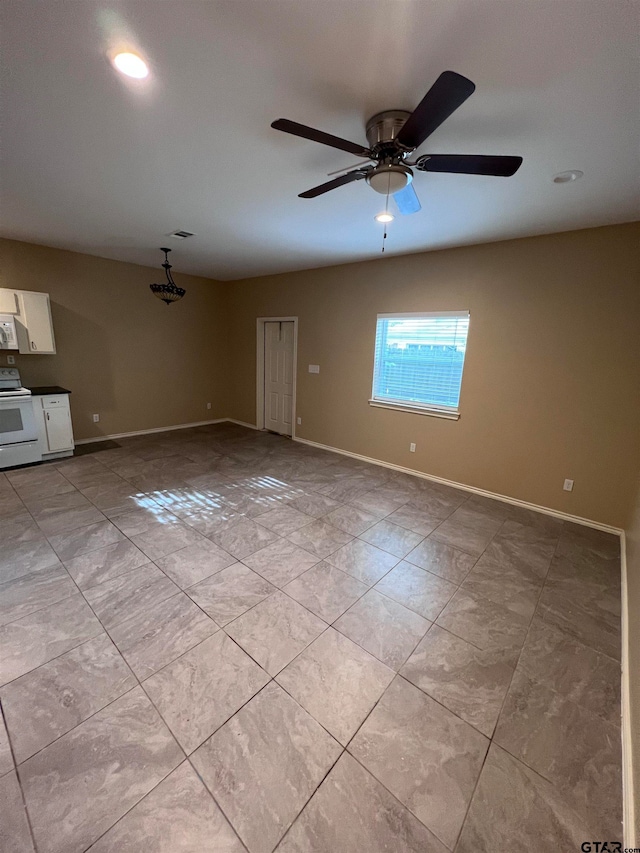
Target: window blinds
419, 359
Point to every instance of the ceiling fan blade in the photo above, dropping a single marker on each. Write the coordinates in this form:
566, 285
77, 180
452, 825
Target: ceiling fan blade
470, 164
335, 183
407, 200
346, 168
449, 92
319, 136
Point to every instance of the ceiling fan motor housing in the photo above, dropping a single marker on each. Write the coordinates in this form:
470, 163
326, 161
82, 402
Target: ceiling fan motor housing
382, 129
390, 175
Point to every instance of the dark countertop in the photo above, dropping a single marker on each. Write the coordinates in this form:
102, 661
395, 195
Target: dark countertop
43, 390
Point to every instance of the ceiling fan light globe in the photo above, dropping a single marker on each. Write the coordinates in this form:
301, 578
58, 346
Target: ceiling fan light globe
389, 179
131, 65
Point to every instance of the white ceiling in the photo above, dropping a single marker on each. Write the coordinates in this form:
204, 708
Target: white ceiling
99, 164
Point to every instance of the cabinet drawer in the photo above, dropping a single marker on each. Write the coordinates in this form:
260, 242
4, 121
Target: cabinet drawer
54, 402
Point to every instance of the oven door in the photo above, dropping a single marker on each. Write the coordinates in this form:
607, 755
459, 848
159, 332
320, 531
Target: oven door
17, 421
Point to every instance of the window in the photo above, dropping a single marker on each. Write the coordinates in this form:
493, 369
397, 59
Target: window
419, 360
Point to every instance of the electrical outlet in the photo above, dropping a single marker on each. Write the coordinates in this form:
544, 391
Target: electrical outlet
11, 359
96, 419
208, 405
314, 368
568, 485
299, 421
412, 447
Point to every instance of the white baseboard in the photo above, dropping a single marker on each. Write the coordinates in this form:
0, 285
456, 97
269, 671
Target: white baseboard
240, 423
149, 431
628, 799
465, 488
565, 516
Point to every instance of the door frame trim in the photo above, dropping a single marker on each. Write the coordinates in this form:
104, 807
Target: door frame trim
260, 321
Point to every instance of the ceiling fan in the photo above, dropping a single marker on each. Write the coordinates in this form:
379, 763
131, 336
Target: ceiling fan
394, 134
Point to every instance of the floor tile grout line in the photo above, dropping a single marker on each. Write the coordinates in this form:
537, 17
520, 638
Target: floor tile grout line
48, 537
115, 577
373, 775
151, 562
185, 760
126, 693
208, 790
14, 769
110, 702
219, 728
189, 755
44, 606
434, 698
62, 654
86, 719
353, 604
139, 684
399, 801
315, 790
88, 640
506, 694
489, 738
562, 630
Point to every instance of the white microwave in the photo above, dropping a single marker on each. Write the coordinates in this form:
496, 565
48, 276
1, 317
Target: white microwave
8, 336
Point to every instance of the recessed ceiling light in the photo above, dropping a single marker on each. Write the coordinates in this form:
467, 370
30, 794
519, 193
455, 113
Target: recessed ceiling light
568, 176
131, 65
384, 217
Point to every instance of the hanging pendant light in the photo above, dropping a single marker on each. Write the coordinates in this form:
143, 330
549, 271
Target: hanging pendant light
169, 292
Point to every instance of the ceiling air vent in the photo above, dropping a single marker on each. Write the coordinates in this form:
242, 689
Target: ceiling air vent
181, 235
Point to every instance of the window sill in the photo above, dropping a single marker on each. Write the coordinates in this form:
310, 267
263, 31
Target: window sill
416, 410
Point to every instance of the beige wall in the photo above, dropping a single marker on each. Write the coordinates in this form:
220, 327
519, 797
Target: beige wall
123, 354
551, 387
633, 590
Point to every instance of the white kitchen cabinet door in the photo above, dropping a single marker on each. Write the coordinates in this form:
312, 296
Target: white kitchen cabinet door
8, 301
33, 323
58, 428
278, 376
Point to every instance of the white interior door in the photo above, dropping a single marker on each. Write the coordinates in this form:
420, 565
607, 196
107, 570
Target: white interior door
278, 376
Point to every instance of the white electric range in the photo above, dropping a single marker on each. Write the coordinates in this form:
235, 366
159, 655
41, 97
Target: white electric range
18, 432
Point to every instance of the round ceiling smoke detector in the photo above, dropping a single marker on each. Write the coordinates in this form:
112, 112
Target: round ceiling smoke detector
389, 178
568, 176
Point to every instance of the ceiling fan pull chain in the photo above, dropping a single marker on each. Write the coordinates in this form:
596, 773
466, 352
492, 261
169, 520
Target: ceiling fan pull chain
386, 210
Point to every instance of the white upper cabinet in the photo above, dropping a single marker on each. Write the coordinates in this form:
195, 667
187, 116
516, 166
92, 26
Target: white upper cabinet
8, 301
33, 323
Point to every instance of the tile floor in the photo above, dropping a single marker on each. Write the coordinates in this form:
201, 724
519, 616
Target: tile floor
220, 640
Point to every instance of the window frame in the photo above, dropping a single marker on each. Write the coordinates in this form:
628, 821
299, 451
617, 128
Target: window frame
431, 409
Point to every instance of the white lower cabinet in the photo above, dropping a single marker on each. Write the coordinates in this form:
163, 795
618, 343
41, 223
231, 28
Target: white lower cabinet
54, 424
